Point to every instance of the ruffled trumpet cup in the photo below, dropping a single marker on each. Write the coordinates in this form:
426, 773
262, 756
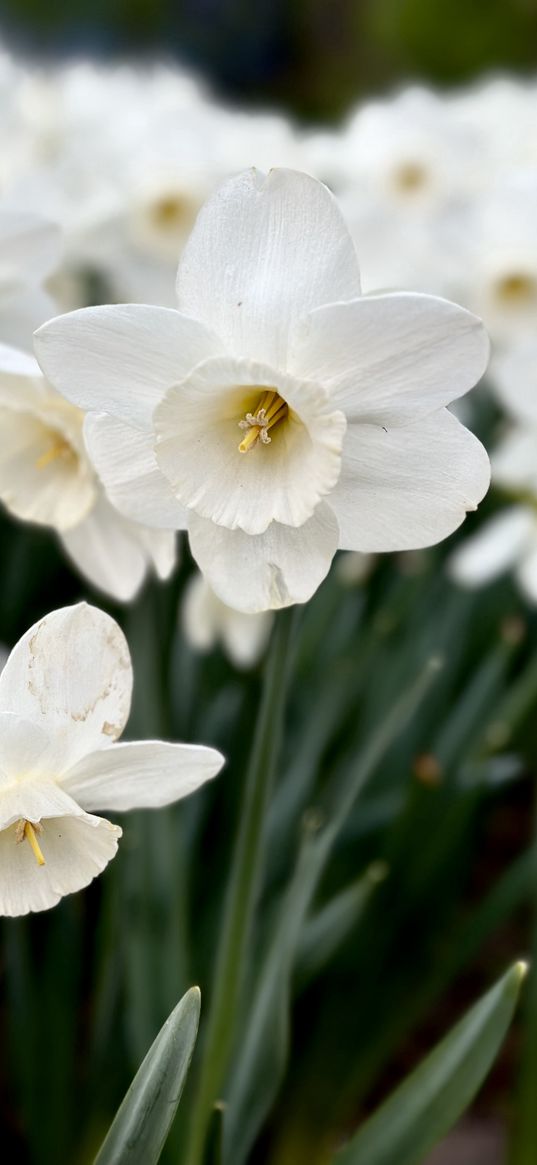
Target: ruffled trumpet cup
65, 695
278, 414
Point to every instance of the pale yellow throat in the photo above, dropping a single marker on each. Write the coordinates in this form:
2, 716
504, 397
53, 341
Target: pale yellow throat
270, 410
58, 449
27, 831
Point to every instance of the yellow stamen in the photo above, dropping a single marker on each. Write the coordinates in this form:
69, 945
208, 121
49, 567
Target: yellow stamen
58, 448
251, 439
29, 834
270, 410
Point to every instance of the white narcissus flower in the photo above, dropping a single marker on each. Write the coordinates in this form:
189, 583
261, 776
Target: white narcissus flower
29, 252
46, 477
207, 621
278, 414
508, 541
65, 695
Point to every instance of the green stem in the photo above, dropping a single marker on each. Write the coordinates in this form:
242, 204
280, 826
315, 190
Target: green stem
243, 887
522, 1148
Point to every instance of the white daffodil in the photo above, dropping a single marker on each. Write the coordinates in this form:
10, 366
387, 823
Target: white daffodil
498, 263
508, 541
278, 414
29, 252
46, 477
65, 695
207, 621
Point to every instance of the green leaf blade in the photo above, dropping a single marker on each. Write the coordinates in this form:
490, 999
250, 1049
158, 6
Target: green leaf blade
430, 1101
143, 1120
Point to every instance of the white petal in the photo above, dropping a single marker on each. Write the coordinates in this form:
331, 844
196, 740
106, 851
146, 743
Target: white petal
24, 748
71, 675
284, 565
29, 247
34, 799
75, 849
527, 573
198, 437
264, 251
200, 610
23, 313
141, 775
206, 619
161, 549
407, 487
494, 548
125, 461
391, 357
514, 459
121, 358
112, 553
245, 636
18, 364
514, 375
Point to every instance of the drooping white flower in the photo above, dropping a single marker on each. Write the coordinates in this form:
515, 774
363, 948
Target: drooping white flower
65, 695
46, 477
207, 622
508, 541
29, 252
278, 414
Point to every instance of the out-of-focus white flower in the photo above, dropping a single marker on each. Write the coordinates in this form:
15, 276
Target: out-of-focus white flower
514, 378
500, 115
284, 415
498, 264
162, 181
65, 695
508, 541
411, 169
46, 477
29, 252
207, 621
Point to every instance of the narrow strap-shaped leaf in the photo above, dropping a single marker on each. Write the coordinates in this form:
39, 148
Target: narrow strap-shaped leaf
429, 1102
143, 1120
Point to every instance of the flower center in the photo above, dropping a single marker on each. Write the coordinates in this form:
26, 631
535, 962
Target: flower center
27, 831
270, 410
410, 176
58, 448
517, 288
173, 211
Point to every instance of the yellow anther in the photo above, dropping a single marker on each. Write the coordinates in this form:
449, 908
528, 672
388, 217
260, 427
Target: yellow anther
59, 447
30, 835
270, 410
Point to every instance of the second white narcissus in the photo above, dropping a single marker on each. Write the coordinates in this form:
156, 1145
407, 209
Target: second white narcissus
508, 541
46, 477
279, 414
65, 694
207, 621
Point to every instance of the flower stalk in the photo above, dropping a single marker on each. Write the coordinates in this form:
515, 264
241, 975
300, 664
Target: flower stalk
243, 886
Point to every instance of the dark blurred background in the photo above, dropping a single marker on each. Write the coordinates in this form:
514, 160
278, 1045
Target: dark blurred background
312, 56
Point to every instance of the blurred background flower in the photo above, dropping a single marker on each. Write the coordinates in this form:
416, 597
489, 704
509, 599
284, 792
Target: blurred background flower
116, 123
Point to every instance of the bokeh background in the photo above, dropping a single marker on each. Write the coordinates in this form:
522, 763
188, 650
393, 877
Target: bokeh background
311, 57
450, 813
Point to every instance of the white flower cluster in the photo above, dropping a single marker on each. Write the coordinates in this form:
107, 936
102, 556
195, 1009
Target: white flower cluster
280, 413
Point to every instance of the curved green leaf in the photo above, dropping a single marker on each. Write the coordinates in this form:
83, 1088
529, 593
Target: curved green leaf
429, 1102
144, 1118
